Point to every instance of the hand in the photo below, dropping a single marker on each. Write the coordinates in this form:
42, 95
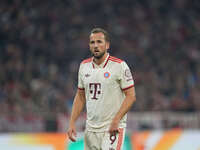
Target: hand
113, 130
72, 133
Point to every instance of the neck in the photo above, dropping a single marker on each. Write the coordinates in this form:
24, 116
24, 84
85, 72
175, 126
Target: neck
101, 60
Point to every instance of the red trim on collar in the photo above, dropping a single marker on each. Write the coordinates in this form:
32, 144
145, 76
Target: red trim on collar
106, 61
93, 63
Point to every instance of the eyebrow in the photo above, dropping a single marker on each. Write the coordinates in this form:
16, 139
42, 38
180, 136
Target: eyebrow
96, 40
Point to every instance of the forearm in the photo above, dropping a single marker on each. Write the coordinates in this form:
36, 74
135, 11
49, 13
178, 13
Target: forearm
125, 107
78, 105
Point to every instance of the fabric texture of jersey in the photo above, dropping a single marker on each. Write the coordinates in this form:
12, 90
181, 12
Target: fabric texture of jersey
104, 85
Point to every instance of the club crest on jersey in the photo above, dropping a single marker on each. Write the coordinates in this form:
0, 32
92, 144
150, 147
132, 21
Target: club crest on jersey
106, 74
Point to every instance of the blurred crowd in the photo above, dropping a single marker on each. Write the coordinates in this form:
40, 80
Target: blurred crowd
42, 43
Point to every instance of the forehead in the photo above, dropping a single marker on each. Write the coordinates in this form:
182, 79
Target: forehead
97, 36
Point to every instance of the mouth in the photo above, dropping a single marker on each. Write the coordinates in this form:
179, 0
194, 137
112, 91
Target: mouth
96, 51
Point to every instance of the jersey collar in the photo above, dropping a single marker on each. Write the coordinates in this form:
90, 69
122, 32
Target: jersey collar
102, 65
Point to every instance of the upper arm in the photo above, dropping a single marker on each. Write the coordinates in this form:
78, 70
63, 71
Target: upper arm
125, 77
80, 95
80, 78
130, 93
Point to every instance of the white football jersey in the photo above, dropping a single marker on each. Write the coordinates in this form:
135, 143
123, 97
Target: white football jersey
104, 85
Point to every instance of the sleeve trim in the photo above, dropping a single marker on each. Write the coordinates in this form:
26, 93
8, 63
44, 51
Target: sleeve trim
128, 87
81, 88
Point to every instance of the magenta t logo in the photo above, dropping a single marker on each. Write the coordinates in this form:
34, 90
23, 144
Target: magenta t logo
95, 88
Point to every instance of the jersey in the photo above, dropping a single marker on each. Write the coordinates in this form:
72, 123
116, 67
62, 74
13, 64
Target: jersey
104, 85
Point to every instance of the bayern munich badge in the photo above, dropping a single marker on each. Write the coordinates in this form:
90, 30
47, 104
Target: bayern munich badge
106, 74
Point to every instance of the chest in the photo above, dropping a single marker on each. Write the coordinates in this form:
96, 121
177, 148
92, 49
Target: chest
103, 76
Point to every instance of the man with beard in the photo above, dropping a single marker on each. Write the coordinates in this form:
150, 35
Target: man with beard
106, 87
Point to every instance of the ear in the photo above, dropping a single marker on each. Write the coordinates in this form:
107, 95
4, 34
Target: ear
107, 45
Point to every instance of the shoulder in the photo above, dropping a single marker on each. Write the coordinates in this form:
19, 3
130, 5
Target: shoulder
118, 63
115, 59
84, 64
86, 60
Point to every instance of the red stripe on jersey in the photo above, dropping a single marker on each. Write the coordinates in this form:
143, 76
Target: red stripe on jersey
87, 60
81, 88
120, 138
115, 58
116, 61
128, 87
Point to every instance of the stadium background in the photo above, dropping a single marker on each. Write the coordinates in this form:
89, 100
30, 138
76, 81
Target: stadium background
42, 43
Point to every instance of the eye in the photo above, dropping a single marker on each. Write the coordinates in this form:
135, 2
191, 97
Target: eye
99, 41
91, 42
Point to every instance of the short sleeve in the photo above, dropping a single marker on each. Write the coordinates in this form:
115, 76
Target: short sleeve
126, 78
80, 78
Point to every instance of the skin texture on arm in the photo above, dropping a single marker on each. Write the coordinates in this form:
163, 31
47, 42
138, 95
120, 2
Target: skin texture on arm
78, 105
126, 105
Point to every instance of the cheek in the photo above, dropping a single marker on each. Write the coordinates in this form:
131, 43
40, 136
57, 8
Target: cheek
91, 47
102, 47
91, 50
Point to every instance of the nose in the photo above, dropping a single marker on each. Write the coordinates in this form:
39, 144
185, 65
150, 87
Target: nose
95, 44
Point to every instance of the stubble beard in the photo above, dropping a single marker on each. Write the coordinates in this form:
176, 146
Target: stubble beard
99, 56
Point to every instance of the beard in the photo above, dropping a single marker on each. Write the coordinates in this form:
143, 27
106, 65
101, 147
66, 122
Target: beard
99, 56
